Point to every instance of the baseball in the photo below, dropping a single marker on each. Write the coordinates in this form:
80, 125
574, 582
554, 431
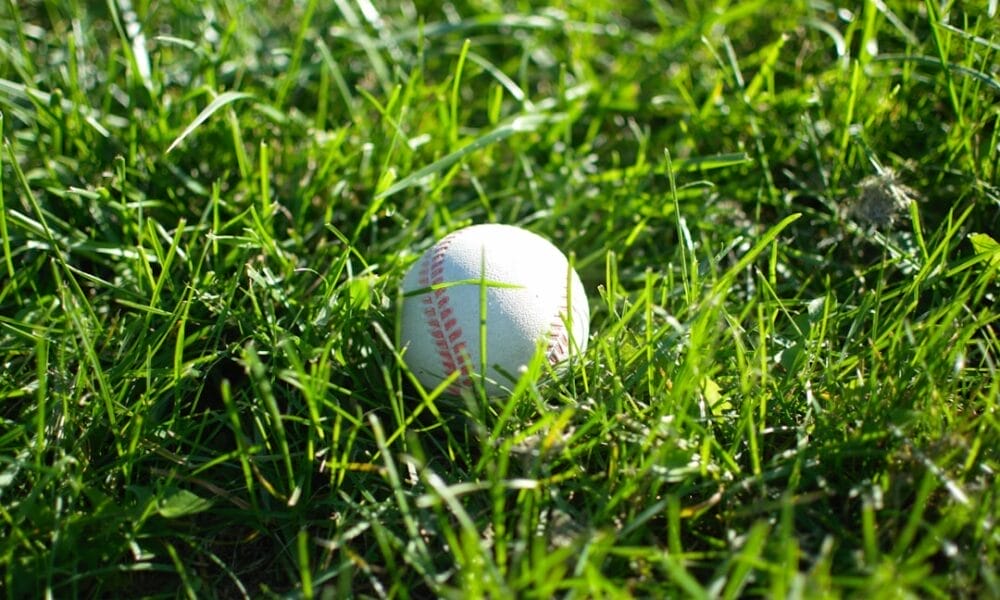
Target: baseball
533, 299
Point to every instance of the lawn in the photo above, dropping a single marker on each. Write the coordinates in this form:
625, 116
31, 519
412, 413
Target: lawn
784, 215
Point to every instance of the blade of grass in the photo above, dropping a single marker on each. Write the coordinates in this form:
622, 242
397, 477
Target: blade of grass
521, 124
220, 101
4, 235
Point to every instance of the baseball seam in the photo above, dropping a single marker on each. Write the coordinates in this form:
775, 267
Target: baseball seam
558, 348
441, 321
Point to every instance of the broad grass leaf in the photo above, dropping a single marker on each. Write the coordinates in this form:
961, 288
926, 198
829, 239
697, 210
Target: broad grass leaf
984, 244
988, 250
177, 503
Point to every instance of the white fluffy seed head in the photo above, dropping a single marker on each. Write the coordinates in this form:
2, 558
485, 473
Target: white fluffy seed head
532, 298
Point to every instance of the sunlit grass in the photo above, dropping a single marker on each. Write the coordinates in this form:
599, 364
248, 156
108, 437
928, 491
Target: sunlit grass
784, 214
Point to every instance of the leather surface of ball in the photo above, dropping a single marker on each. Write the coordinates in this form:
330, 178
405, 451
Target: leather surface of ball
532, 298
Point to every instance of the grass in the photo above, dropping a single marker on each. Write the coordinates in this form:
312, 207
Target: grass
784, 215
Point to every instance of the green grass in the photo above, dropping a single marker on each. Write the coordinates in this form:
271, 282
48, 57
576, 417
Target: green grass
784, 215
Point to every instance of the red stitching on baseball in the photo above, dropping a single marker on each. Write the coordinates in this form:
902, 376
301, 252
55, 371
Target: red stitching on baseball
558, 348
444, 328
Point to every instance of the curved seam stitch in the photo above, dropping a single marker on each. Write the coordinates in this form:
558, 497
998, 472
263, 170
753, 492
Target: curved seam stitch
444, 329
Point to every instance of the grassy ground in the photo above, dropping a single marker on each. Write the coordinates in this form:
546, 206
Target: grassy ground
782, 213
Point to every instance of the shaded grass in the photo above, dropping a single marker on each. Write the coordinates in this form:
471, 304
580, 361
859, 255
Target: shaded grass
791, 384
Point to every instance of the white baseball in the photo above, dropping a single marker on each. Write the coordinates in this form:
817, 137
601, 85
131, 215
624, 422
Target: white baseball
528, 305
